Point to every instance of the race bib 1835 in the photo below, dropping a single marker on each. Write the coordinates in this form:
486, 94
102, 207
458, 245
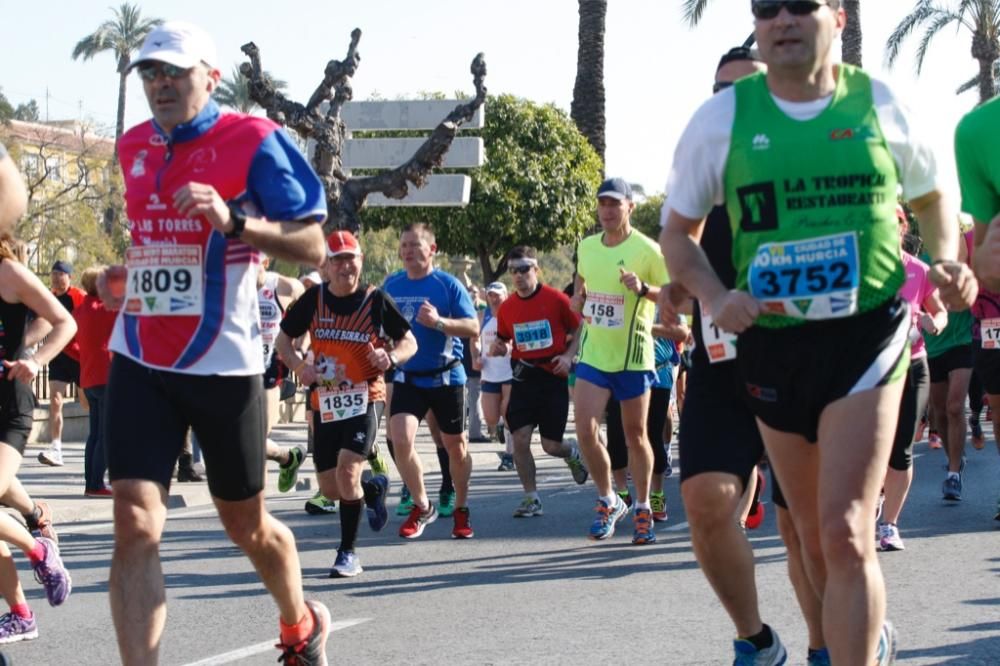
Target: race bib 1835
815, 278
338, 404
164, 280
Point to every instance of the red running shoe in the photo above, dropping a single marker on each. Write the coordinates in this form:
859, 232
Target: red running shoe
756, 516
463, 527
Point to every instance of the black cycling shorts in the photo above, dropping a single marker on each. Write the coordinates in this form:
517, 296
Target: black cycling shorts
64, 369
792, 374
718, 431
987, 364
148, 415
538, 399
356, 434
17, 413
916, 390
656, 418
446, 402
956, 358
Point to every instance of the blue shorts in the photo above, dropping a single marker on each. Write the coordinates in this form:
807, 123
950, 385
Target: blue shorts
624, 385
492, 387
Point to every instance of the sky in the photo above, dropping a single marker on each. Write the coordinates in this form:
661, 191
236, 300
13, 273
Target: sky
657, 69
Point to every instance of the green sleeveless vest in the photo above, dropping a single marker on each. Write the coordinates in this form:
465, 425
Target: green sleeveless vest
812, 205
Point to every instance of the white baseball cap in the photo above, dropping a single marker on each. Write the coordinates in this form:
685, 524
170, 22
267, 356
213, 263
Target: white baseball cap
178, 43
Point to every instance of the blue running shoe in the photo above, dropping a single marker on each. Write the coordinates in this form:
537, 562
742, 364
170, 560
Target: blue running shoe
951, 489
747, 653
643, 534
820, 657
347, 565
603, 526
378, 516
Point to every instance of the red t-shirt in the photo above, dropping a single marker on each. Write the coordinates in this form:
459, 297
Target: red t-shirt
538, 325
71, 299
94, 324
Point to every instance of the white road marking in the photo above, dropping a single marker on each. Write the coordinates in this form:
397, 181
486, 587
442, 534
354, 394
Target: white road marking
250, 650
679, 527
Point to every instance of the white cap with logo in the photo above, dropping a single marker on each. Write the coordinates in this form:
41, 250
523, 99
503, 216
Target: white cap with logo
178, 43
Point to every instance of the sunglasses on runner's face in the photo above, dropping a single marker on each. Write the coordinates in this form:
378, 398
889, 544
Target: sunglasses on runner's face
768, 10
148, 71
519, 270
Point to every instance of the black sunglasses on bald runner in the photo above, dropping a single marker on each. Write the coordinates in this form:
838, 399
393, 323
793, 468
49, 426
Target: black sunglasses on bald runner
768, 10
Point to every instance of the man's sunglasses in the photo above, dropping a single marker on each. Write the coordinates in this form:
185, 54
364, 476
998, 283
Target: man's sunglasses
520, 270
768, 10
148, 71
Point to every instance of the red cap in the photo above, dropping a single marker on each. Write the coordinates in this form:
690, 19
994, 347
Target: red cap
342, 242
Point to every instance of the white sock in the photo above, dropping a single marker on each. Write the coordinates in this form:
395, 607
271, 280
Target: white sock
611, 500
534, 496
642, 505
953, 475
57, 445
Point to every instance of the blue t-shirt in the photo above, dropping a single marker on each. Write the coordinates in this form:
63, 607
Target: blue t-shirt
666, 358
434, 349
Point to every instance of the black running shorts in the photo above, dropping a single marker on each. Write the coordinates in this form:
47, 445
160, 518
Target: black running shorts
64, 369
446, 402
17, 413
355, 434
791, 374
956, 358
538, 399
718, 432
148, 415
987, 364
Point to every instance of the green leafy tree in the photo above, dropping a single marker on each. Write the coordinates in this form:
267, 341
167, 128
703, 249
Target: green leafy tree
980, 17
27, 111
6, 110
234, 91
646, 216
537, 187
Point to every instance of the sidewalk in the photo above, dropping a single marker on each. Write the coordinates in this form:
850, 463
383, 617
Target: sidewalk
62, 487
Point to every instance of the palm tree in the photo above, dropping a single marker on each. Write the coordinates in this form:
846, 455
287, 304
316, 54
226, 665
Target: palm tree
587, 108
234, 91
850, 49
122, 35
980, 17
850, 40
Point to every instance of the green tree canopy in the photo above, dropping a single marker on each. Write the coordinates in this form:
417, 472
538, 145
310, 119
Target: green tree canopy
646, 216
234, 91
537, 187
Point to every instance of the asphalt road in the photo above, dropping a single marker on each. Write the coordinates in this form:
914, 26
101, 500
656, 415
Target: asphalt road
528, 591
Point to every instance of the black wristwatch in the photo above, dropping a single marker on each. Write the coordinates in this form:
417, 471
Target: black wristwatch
239, 220
644, 290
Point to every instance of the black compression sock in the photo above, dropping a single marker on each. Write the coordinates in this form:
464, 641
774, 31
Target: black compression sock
762, 640
350, 517
446, 484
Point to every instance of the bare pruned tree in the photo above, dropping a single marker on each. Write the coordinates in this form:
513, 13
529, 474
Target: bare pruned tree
345, 196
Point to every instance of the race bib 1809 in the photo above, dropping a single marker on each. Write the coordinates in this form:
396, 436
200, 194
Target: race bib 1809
164, 280
605, 310
816, 278
533, 335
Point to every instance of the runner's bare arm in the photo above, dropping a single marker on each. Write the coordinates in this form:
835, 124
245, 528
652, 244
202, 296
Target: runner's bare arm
290, 357
940, 231
289, 290
732, 311
986, 255
466, 327
935, 316
13, 196
299, 241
